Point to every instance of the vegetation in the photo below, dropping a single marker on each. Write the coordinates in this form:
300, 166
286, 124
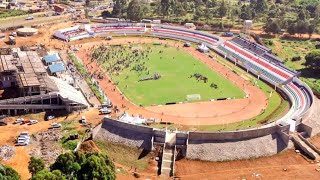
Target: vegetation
122, 154
4, 13
8, 173
35, 165
296, 16
171, 74
79, 166
81, 69
295, 52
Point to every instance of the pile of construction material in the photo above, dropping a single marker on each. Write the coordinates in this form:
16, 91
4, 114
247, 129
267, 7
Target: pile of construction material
6, 152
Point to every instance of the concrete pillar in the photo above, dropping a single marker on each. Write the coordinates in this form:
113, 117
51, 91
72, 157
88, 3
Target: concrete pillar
50, 100
15, 112
8, 112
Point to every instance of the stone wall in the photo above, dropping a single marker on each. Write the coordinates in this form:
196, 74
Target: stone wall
266, 145
124, 133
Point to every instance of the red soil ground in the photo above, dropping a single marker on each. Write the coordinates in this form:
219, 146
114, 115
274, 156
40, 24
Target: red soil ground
201, 113
287, 165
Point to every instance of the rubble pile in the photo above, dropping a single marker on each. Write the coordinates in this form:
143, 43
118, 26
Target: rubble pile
6, 152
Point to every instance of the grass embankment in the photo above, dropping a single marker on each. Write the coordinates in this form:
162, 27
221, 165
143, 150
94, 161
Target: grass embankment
286, 49
176, 68
276, 106
124, 155
69, 127
5, 13
81, 69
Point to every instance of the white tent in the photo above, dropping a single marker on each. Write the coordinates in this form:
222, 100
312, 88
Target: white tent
203, 48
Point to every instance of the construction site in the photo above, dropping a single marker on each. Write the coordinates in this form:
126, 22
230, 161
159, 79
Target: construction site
27, 87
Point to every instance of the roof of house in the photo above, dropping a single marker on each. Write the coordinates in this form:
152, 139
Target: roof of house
58, 67
52, 58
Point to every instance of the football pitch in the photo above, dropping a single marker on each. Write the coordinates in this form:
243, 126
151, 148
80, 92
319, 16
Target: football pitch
172, 74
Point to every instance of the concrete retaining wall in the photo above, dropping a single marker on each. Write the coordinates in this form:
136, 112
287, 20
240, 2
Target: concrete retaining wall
234, 135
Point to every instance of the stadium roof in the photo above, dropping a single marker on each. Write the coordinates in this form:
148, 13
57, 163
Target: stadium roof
51, 58
59, 67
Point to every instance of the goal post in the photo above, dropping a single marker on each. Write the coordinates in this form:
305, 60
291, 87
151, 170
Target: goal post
193, 97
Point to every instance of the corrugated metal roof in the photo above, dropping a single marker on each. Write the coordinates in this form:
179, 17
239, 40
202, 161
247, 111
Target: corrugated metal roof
58, 67
51, 58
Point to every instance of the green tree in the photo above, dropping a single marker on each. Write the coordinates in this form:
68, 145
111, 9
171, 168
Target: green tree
313, 59
47, 175
7, 173
272, 26
302, 15
222, 10
116, 11
165, 7
311, 30
261, 6
292, 29
35, 165
135, 10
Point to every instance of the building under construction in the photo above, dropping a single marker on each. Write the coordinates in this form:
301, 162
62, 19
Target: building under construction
25, 85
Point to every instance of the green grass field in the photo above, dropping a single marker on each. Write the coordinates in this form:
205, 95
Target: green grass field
276, 107
175, 67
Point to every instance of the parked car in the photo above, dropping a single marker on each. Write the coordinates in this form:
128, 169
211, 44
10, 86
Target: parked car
33, 122
187, 45
55, 125
50, 117
83, 119
3, 123
26, 121
29, 18
3, 116
14, 34
18, 121
23, 139
105, 111
22, 143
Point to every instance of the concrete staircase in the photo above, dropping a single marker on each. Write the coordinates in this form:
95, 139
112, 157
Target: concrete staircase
305, 146
168, 155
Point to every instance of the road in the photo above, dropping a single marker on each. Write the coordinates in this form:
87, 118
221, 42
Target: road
37, 20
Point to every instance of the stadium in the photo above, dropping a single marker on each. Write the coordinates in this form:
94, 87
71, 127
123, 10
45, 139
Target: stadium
267, 139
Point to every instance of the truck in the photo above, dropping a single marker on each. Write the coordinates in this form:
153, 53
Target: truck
12, 40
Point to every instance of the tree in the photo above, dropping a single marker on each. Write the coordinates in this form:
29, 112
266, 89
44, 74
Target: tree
302, 15
7, 173
292, 29
272, 26
35, 165
311, 30
116, 11
135, 10
77, 165
313, 59
47, 175
261, 6
106, 14
222, 10
165, 5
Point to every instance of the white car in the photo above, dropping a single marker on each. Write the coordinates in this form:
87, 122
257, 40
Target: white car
24, 134
50, 117
105, 111
33, 122
29, 18
19, 120
56, 125
22, 143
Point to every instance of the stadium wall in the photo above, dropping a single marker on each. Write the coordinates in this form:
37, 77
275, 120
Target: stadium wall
276, 138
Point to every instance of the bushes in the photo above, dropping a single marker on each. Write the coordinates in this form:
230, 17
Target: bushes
10, 13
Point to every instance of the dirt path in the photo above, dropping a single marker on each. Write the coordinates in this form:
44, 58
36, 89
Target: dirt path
201, 113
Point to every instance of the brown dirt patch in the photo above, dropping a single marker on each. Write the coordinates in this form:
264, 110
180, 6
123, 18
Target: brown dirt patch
268, 167
203, 113
89, 146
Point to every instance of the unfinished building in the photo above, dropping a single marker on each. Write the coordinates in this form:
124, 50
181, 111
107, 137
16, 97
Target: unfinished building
25, 85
